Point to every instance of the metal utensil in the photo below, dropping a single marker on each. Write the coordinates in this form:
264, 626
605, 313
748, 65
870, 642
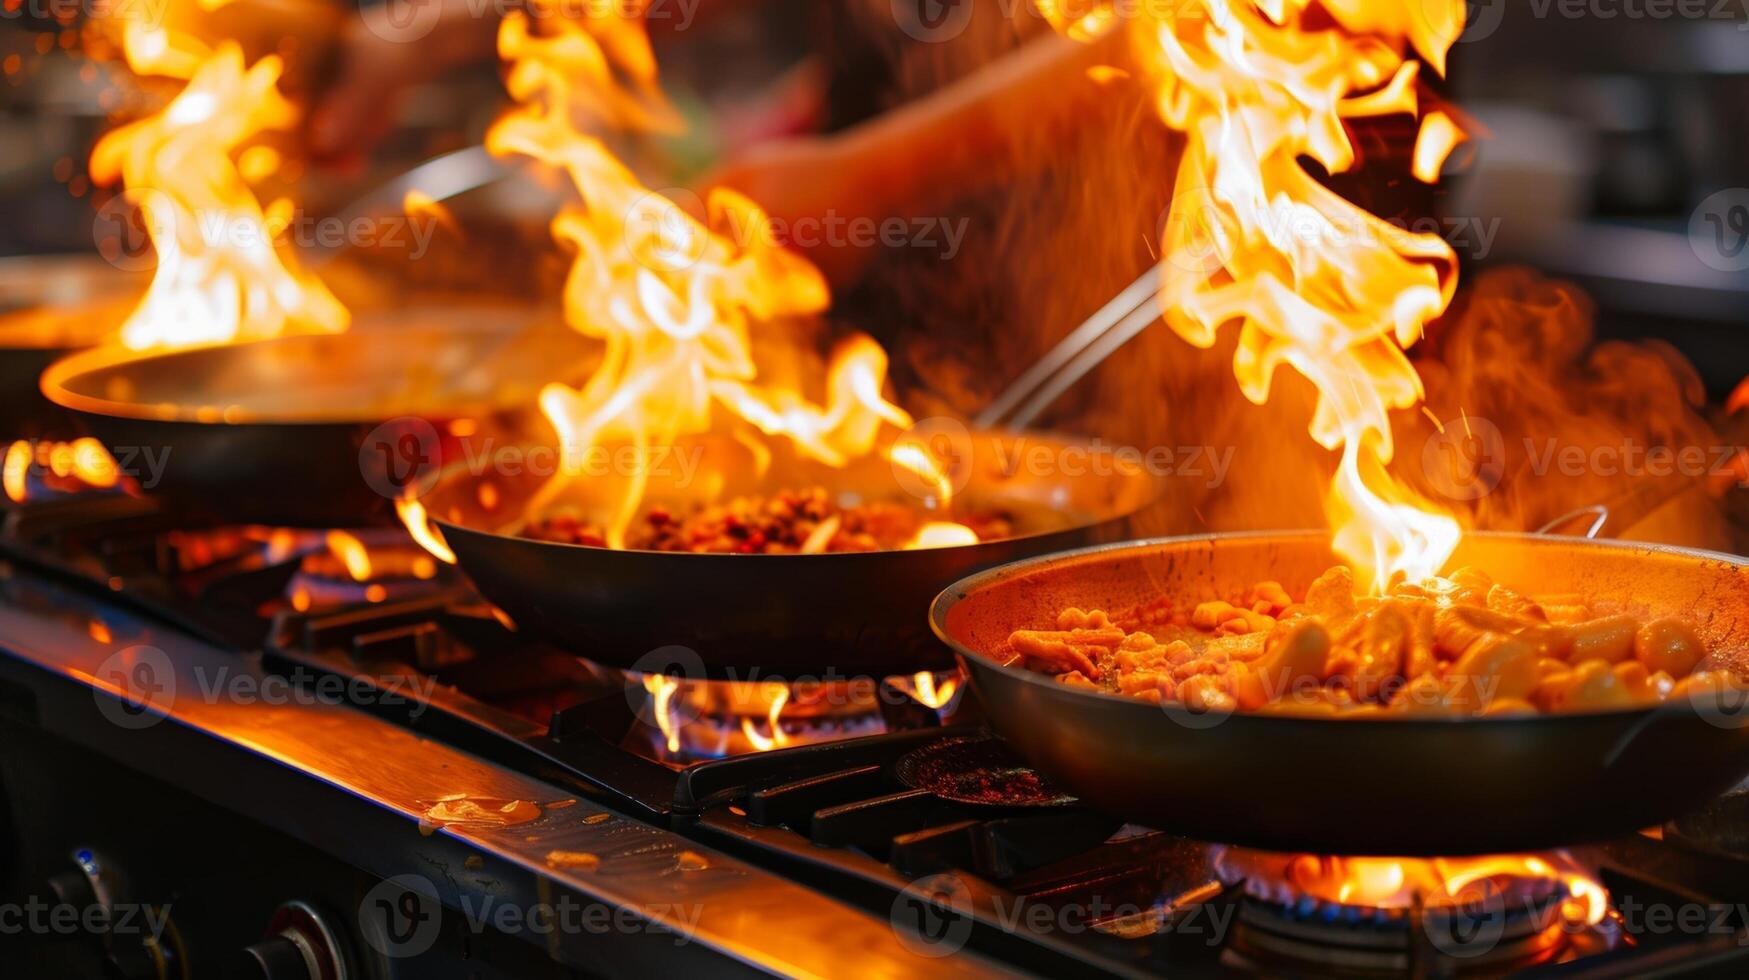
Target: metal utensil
440, 178
1083, 349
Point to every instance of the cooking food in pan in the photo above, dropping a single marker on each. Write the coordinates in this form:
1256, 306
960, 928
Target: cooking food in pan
1380, 781
854, 611
1463, 644
789, 522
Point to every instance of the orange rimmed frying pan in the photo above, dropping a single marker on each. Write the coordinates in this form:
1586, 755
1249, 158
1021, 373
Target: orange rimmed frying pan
281, 431
1412, 786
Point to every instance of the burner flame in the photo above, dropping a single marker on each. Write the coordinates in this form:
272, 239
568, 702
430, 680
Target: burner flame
1400, 883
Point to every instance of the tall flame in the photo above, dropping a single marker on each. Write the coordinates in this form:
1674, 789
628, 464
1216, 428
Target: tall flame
1314, 282
220, 276
673, 299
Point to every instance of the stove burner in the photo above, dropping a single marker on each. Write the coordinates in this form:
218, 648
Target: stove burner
348, 568
686, 721
1390, 915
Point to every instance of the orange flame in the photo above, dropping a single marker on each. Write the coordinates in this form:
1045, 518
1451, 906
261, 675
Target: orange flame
1314, 282
418, 524
83, 464
931, 694
417, 204
1398, 882
662, 689
779, 695
352, 553
221, 276
674, 299
17, 471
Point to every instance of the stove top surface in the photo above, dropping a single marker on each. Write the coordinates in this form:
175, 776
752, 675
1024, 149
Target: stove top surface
527, 769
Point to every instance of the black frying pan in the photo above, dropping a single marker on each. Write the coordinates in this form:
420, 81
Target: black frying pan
789, 615
50, 306
1390, 787
280, 431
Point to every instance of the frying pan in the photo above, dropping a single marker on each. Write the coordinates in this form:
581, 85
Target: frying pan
50, 306
281, 431
793, 615
1421, 786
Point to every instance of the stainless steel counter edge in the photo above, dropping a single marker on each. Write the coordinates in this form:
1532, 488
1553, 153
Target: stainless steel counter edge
206, 705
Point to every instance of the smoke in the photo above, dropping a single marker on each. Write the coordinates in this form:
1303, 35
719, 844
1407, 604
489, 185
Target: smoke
1066, 219
1539, 420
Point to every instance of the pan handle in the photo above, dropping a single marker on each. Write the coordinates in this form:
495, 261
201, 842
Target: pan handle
1598, 513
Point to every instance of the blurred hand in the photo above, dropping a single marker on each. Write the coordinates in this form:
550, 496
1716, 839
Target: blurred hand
384, 51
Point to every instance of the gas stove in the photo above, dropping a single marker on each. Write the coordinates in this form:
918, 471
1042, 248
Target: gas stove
317, 754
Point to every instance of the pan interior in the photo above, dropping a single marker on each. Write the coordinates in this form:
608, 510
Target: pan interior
438, 362
708, 469
1709, 591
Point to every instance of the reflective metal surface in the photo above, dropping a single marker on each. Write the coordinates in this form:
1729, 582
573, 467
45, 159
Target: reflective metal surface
357, 786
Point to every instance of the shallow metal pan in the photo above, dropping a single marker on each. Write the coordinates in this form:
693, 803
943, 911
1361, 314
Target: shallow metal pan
1394, 787
280, 431
747, 616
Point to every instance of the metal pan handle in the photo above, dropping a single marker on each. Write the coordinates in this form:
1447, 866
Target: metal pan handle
1598, 513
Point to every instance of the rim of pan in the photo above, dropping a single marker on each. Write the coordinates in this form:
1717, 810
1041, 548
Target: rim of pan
964, 588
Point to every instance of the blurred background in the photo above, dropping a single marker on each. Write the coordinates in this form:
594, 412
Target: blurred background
1612, 154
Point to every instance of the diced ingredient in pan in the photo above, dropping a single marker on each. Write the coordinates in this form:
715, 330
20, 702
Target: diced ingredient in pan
784, 523
1458, 645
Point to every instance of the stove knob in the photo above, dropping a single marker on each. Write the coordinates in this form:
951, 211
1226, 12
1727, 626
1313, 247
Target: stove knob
97, 881
279, 958
301, 944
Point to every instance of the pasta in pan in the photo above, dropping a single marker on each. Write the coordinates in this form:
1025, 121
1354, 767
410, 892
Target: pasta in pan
1462, 645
